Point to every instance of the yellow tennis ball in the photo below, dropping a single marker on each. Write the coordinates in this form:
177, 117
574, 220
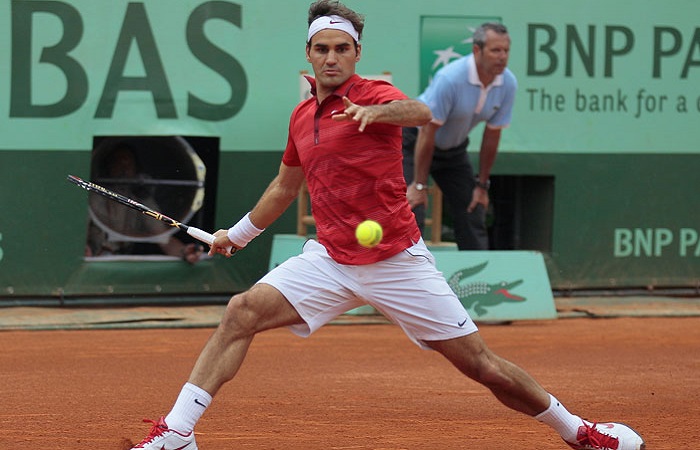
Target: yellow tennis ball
369, 233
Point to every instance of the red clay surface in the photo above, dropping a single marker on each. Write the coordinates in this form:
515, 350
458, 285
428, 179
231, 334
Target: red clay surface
349, 387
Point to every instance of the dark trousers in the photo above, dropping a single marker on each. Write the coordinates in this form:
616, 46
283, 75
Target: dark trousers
453, 173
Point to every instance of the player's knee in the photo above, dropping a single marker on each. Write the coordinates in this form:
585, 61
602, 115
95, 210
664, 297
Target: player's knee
240, 318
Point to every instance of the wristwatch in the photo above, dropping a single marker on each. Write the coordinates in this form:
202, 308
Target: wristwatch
483, 185
421, 186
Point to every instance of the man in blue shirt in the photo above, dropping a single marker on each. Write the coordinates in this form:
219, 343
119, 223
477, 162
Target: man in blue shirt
475, 88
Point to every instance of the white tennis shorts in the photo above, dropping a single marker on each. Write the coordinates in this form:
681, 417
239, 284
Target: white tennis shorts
406, 288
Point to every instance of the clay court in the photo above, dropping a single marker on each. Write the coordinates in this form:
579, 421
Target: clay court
359, 386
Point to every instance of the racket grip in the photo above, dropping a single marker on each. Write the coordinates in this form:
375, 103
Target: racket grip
205, 237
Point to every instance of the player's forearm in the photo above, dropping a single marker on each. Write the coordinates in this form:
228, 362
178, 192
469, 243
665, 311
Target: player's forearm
273, 203
406, 113
280, 193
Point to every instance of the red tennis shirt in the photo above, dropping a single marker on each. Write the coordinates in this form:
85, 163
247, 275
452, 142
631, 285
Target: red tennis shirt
352, 176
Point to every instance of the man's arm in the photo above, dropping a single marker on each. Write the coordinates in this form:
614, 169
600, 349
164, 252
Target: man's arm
280, 193
422, 158
405, 113
487, 156
489, 149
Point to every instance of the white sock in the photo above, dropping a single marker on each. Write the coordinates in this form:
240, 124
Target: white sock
557, 417
188, 408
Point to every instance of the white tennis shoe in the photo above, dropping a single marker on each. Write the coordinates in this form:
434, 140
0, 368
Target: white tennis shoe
607, 436
163, 438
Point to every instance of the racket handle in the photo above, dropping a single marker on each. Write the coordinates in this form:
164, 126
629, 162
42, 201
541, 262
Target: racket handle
205, 237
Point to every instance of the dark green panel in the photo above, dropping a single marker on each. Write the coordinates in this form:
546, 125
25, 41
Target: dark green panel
42, 232
595, 195
42, 221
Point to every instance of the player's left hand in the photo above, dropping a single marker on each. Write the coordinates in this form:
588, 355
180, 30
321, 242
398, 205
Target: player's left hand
363, 114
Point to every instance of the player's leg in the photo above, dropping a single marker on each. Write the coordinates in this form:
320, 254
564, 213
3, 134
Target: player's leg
262, 307
516, 389
511, 385
303, 293
432, 316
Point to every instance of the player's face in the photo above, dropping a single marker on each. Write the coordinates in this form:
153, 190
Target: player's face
493, 58
333, 56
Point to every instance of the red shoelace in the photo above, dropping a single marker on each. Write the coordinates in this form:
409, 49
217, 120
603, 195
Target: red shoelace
591, 436
157, 429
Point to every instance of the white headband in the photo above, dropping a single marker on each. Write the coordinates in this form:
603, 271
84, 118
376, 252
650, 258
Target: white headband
333, 23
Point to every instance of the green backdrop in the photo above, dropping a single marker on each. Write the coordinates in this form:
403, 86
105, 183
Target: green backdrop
607, 105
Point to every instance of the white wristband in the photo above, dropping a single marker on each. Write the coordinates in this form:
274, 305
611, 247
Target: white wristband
243, 232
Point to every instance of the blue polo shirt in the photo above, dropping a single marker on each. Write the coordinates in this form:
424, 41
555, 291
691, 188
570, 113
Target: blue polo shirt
459, 101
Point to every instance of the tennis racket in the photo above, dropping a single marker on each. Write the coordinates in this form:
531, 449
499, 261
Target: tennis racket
126, 201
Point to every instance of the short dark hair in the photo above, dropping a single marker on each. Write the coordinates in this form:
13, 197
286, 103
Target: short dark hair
322, 8
480, 33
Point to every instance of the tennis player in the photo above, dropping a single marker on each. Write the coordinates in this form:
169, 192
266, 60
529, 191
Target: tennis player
345, 141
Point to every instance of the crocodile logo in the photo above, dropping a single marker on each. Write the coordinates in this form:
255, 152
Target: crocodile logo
479, 295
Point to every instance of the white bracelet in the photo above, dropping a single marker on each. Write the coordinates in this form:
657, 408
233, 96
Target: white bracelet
243, 232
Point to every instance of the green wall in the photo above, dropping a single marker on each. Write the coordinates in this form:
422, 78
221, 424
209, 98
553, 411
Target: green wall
608, 105
593, 78
611, 228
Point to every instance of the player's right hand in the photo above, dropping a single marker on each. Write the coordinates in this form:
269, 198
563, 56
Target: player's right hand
222, 245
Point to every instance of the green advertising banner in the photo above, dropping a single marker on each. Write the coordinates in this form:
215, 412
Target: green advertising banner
592, 76
599, 165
